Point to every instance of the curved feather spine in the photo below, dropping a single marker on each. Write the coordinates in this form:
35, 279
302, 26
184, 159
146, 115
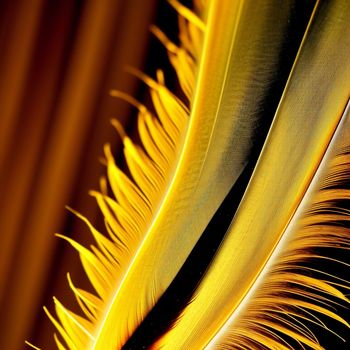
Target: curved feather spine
304, 124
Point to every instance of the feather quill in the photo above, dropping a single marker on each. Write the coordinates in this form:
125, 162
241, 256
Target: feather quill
155, 217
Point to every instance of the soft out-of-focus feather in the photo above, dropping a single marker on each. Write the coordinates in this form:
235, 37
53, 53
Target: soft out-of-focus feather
309, 112
190, 158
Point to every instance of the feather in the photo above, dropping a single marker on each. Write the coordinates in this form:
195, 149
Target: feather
307, 117
283, 288
192, 153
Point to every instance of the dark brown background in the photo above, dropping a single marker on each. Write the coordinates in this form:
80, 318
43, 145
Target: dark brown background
58, 61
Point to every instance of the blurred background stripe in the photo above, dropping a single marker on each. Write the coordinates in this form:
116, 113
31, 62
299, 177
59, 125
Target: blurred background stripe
58, 61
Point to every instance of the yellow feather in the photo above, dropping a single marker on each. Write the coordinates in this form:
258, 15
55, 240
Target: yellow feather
306, 119
192, 154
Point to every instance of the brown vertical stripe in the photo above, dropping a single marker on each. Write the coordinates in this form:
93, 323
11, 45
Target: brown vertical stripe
58, 62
